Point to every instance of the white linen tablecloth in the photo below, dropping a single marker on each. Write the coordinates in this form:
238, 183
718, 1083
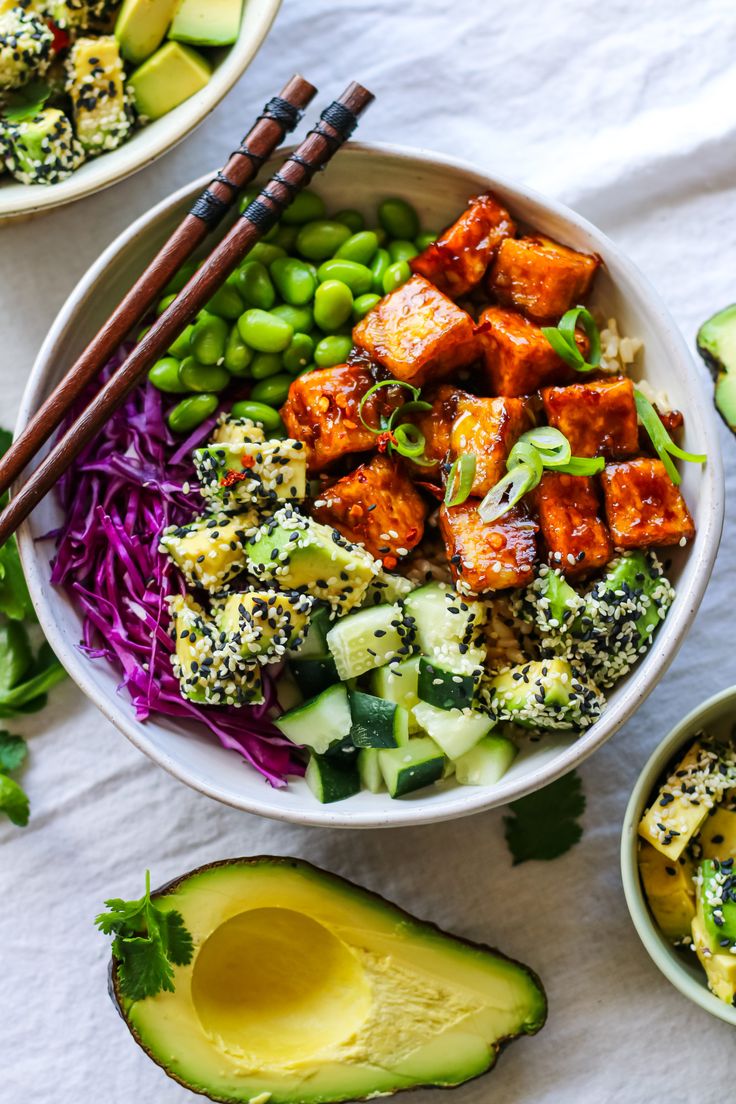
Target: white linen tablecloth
627, 112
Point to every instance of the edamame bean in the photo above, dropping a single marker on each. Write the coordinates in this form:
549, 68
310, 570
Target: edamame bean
305, 207
358, 277
333, 305
332, 350
402, 250
321, 239
164, 303
247, 197
226, 303
264, 365
259, 412
272, 391
284, 236
237, 354
360, 247
363, 304
294, 280
142, 333
264, 332
255, 285
398, 218
202, 377
208, 338
380, 263
179, 347
264, 252
299, 354
301, 319
396, 275
352, 219
424, 240
181, 277
191, 412
164, 375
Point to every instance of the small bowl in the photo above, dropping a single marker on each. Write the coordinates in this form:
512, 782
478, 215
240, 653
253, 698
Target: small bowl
440, 187
685, 974
22, 201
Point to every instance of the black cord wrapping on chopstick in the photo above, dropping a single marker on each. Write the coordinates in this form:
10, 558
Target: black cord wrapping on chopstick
209, 208
282, 112
262, 215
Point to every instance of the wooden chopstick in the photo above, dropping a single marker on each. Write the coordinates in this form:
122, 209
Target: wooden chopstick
335, 125
280, 116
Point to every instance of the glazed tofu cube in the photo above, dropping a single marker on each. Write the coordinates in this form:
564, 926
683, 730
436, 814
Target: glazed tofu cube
458, 260
518, 357
643, 505
322, 411
488, 428
378, 506
598, 418
436, 425
488, 555
417, 333
570, 519
539, 277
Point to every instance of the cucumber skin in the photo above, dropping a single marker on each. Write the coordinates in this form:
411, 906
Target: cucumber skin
313, 674
375, 721
451, 694
329, 782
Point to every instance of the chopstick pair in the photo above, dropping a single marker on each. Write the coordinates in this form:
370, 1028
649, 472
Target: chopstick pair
334, 127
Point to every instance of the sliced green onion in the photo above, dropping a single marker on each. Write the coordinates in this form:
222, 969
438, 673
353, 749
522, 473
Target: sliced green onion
552, 446
663, 444
415, 392
410, 440
460, 479
581, 465
525, 455
562, 339
412, 407
507, 492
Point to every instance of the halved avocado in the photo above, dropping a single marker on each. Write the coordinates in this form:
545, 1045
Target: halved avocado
716, 342
307, 988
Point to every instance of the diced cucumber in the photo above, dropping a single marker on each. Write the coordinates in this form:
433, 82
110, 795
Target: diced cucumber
320, 723
330, 782
419, 763
443, 619
454, 730
369, 770
445, 688
366, 639
313, 674
397, 682
315, 639
387, 588
488, 761
377, 723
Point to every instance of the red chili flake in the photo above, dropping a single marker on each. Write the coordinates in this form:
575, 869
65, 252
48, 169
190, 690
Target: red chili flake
390, 562
432, 488
384, 440
248, 461
232, 477
61, 37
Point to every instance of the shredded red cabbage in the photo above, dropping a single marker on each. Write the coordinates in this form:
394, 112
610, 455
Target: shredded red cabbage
120, 494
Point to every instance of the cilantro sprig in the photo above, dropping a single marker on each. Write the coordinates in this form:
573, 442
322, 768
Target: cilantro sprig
544, 824
13, 799
148, 942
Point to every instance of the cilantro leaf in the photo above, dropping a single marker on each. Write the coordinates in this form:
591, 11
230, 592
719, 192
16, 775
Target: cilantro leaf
13, 801
148, 942
25, 102
13, 750
544, 824
15, 654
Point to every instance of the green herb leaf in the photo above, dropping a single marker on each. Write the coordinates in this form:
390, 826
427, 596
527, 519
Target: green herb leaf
582, 465
148, 941
562, 339
544, 825
663, 444
13, 801
460, 479
26, 102
13, 750
24, 693
16, 657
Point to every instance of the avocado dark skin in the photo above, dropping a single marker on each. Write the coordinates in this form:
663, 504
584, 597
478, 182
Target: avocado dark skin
716, 343
339, 884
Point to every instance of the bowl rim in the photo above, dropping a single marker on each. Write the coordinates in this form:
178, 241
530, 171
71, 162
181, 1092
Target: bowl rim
469, 801
655, 944
118, 164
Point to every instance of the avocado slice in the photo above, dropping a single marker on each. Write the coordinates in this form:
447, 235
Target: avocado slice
207, 22
716, 342
545, 694
167, 78
669, 889
96, 87
720, 968
717, 837
141, 26
307, 988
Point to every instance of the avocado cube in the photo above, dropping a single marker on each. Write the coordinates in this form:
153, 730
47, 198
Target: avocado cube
720, 967
141, 26
96, 86
718, 835
237, 431
42, 150
545, 693
669, 890
717, 346
204, 666
211, 549
298, 553
270, 471
262, 624
206, 22
167, 78
25, 46
76, 15
717, 902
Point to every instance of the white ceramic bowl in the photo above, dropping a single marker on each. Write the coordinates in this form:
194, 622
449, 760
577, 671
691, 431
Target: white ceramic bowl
440, 187
24, 200
715, 715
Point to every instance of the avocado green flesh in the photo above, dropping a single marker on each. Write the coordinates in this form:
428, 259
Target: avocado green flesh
310, 989
717, 345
